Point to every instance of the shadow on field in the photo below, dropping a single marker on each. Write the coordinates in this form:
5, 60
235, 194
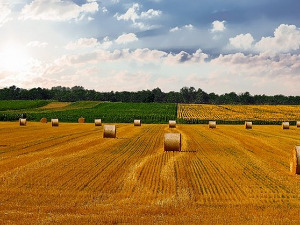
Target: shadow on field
188, 151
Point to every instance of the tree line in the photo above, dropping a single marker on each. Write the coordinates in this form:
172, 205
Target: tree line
185, 95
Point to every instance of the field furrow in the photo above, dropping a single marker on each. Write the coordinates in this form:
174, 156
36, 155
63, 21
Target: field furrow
71, 174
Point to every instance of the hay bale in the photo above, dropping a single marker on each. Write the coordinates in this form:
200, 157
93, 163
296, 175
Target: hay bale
137, 123
44, 120
285, 125
54, 122
109, 131
248, 125
22, 122
298, 124
295, 160
172, 142
98, 122
172, 123
81, 120
212, 124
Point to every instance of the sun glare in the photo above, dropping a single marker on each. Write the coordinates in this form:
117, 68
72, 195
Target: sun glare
13, 58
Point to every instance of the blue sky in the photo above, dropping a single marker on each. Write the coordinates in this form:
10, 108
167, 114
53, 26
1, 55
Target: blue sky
219, 46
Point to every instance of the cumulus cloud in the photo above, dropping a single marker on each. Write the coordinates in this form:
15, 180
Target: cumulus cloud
218, 26
57, 10
286, 38
174, 29
150, 14
183, 57
5, 12
260, 73
133, 14
126, 38
242, 41
185, 27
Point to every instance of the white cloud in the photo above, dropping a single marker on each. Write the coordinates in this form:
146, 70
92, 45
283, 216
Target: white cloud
133, 14
83, 43
189, 26
185, 27
148, 56
184, 57
57, 10
150, 14
106, 43
104, 9
259, 73
286, 38
218, 26
242, 41
174, 29
126, 38
37, 44
5, 11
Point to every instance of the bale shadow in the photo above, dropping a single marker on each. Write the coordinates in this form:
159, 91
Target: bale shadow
188, 151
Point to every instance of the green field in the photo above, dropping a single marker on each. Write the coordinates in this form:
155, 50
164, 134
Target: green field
107, 111
6, 105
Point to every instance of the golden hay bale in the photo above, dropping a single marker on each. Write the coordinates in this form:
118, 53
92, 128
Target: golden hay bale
285, 125
44, 120
22, 122
248, 125
109, 131
81, 120
172, 123
295, 160
98, 122
172, 142
298, 124
54, 122
137, 123
212, 124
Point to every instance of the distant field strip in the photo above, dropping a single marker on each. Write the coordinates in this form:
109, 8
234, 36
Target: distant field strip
6, 105
115, 112
238, 112
71, 175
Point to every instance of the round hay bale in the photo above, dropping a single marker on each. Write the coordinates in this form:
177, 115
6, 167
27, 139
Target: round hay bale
172, 123
98, 122
81, 120
137, 123
172, 142
212, 124
44, 120
22, 122
54, 122
298, 124
285, 125
109, 131
295, 160
248, 125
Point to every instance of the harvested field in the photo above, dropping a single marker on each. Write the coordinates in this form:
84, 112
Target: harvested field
56, 105
238, 112
71, 175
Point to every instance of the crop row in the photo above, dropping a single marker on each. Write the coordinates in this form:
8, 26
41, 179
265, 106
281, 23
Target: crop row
263, 114
108, 112
70, 174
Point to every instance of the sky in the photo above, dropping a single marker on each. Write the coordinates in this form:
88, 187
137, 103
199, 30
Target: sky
123, 45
